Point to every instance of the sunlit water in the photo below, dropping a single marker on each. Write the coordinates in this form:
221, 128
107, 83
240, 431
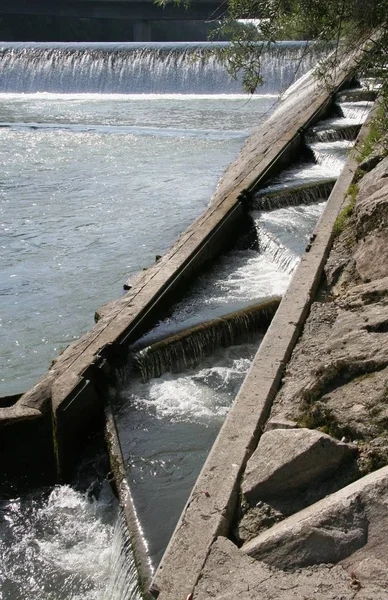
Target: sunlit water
82, 207
56, 545
99, 176
184, 412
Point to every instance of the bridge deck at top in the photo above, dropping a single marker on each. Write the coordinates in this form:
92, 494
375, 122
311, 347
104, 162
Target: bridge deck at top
115, 9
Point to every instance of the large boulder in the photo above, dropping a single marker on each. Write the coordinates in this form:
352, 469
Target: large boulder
350, 526
290, 459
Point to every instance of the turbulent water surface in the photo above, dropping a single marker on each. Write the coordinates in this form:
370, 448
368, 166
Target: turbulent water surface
108, 152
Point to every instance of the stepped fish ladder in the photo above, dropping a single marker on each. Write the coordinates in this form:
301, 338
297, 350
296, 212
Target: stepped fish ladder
224, 380
303, 193
273, 249
332, 131
173, 395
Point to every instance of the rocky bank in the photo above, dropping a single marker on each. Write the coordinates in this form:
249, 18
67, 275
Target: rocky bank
313, 518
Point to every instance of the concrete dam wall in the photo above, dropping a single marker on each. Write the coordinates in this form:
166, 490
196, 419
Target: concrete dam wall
69, 400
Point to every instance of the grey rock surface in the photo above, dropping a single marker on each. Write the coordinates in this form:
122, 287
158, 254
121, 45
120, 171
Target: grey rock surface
364, 294
289, 459
229, 574
372, 255
255, 520
374, 181
350, 526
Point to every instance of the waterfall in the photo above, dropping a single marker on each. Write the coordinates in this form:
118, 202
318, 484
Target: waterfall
332, 134
273, 198
129, 68
187, 348
124, 579
330, 155
356, 111
273, 249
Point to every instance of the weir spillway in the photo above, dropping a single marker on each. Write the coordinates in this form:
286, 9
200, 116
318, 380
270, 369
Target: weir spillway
76, 385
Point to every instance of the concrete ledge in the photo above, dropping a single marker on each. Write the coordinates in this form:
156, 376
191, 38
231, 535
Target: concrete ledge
212, 504
138, 544
74, 388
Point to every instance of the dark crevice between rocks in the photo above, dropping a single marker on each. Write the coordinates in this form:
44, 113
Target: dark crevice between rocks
251, 520
377, 327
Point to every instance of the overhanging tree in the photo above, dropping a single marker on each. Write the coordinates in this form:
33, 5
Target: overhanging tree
337, 28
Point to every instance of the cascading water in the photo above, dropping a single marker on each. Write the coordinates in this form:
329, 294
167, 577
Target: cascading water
331, 155
67, 175
283, 258
172, 407
190, 346
356, 111
63, 544
123, 579
276, 197
167, 427
66, 178
186, 68
330, 133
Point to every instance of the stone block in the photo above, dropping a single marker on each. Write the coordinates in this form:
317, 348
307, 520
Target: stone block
290, 459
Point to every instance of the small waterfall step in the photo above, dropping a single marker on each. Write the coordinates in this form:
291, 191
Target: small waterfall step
124, 579
369, 83
273, 197
302, 173
331, 155
332, 130
139, 68
187, 348
272, 248
291, 226
356, 111
362, 94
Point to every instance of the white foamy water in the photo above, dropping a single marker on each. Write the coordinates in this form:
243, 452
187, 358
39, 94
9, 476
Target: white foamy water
96, 182
59, 545
166, 428
331, 155
81, 209
184, 411
131, 68
356, 111
96, 140
199, 394
237, 280
292, 225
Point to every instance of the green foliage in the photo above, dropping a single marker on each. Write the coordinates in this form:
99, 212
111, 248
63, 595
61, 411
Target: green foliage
345, 25
374, 459
377, 138
318, 416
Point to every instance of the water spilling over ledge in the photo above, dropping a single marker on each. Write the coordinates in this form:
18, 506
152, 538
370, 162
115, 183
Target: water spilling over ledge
187, 348
271, 247
66, 393
132, 68
302, 193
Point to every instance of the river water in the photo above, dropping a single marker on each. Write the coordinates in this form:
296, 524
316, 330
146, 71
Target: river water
108, 152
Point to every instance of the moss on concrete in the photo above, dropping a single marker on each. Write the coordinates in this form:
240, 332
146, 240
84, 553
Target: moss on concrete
342, 220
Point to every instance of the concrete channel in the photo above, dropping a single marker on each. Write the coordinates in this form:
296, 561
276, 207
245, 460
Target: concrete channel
210, 510
55, 416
